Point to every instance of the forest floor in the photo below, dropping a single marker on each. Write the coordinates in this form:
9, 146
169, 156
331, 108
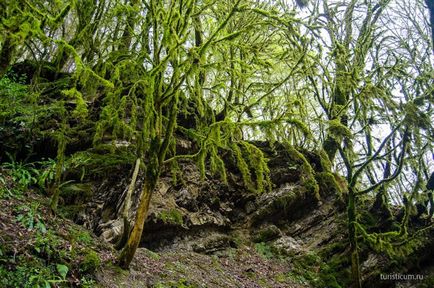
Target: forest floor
243, 267
38, 249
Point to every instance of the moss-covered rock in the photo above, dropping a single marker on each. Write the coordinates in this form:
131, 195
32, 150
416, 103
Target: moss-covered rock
267, 233
328, 185
171, 216
307, 172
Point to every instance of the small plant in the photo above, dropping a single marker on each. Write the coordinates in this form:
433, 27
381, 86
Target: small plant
87, 283
24, 175
30, 218
5, 192
44, 244
172, 216
45, 177
33, 275
181, 283
62, 270
90, 262
264, 250
82, 237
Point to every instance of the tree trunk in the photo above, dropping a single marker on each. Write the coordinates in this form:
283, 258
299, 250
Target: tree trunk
6, 54
355, 267
127, 207
133, 242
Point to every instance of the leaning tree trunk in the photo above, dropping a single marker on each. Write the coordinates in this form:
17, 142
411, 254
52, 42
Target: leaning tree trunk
133, 242
127, 207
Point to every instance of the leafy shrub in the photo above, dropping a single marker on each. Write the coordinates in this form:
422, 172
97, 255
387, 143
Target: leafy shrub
23, 174
33, 274
90, 262
264, 250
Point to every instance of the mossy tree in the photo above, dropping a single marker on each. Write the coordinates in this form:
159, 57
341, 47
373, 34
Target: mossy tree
172, 65
241, 71
370, 125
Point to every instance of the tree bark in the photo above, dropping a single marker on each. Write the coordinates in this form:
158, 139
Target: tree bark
355, 266
133, 242
127, 207
6, 55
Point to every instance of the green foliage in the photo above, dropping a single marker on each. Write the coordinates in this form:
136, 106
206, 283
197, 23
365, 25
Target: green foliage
311, 269
24, 121
171, 216
427, 282
47, 245
46, 173
32, 275
181, 283
264, 250
30, 218
81, 236
99, 162
23, 174
308, 174
90, 262
62, 270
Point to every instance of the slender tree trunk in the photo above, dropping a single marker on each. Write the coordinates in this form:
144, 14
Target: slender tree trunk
127, 207
355, 267
133, 242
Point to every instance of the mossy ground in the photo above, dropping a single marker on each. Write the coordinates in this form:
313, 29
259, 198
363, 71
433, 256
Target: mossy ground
38, 249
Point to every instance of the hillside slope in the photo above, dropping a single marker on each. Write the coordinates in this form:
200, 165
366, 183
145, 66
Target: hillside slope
199, 233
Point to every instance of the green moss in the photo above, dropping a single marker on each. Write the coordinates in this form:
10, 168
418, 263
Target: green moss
90, 262
312, 269
308, 174
151, 254
171, 216
181, 283
252, 164
325, 161
265, 250
267, 233
76, 193
338, 131
328, 184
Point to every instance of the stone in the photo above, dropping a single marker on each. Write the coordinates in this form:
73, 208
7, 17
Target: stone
267, 233
112, 230
213, 243
287, 245
203, 218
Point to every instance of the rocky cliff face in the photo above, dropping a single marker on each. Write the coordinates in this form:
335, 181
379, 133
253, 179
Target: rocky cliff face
182, 213
211, 218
